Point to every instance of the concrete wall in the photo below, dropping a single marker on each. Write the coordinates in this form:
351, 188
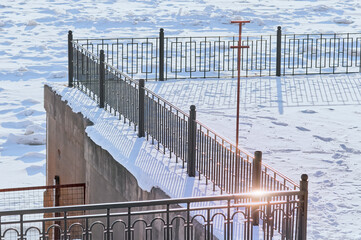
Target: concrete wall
75, 158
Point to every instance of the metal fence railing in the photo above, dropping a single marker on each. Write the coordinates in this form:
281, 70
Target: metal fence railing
173, 131
165, 58
222, 217
214, 157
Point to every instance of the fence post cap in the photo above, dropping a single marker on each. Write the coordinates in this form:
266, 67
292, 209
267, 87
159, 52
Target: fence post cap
304, 177
141, 82
193, 107
279, 28
162, 30
102, 51
258, 154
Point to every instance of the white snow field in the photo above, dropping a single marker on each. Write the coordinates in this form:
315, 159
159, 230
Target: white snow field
303, 124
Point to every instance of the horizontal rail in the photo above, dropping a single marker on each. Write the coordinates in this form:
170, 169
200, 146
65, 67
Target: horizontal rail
42, 187
133, 204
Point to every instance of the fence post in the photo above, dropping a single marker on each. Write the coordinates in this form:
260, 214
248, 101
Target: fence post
161, 55
192, 131
141, 109
256, 183
70, 59
302, 230
57, 203
101, 79
278, 53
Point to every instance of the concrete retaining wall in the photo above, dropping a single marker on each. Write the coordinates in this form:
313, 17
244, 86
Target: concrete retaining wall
75, 158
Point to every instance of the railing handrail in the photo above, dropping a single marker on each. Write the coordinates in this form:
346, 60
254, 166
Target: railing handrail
213, 36
146, 203
43, 187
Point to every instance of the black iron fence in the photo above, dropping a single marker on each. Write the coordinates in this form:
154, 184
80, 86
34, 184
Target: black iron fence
165, 58
172, 130
270, 215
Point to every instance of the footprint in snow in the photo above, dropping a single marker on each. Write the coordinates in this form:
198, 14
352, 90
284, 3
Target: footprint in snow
32, 157
280, 124
17, 125
309, 111
32, 170
349, 150
318, 174
337, 156
325, 139
29, 102
303, 129
270, 118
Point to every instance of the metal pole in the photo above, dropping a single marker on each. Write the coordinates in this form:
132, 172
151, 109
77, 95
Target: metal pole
161, 55
141, 108
256, 183
70, 59
302, 230
239, 47
278, 51
238, 81
192, 131
57, 203
101, 79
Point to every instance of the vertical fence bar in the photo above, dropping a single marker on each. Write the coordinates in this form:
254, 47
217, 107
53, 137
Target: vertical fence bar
141, 108
161, 54
101, 79
256, 182
70, 59
21, 227
278, 51
57, 203
302, 230
192, 131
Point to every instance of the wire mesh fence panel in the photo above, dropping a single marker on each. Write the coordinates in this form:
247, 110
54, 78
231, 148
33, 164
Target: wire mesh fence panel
37, 197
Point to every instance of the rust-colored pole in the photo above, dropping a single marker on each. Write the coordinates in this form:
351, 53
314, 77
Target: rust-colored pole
239, 47
238, 80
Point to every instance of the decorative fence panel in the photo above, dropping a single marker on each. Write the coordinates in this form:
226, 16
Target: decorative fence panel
321, 53
222, 217
212, 57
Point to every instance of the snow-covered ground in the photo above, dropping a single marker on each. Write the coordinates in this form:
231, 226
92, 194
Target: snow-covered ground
304, 124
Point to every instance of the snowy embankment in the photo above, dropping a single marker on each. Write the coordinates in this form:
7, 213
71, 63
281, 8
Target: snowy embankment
33, 51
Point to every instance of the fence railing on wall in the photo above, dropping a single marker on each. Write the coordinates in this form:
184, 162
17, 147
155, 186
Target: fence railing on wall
172, 130
163, 58
222, 217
